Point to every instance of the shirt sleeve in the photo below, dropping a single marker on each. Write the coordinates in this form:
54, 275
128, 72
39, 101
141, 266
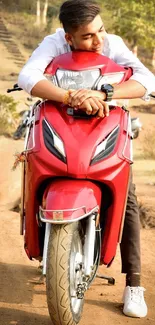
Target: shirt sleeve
33, 71
123, 56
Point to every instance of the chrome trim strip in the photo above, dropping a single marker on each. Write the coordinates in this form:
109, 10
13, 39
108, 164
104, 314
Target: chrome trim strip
55, 135
64, 210
89, 245
46, 240
22, 212
105, 141
95, 209
126, 139
124, 211
31, 120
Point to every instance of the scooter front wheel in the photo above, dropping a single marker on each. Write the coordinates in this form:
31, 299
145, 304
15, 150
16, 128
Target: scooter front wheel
64, 273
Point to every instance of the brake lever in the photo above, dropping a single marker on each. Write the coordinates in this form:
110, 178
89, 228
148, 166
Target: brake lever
14, 89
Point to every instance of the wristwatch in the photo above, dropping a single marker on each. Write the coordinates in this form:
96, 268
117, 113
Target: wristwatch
108, 90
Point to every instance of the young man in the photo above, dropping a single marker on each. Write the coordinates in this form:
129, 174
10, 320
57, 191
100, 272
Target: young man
84, 30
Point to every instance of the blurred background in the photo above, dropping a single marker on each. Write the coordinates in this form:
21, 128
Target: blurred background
23, 25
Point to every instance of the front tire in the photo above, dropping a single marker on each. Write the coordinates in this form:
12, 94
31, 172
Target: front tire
65, 251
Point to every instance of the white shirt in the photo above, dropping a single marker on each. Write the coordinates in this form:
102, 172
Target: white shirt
55, 44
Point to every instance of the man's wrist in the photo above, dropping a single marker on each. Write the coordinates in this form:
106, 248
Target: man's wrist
66, 98
102, 95
108, 90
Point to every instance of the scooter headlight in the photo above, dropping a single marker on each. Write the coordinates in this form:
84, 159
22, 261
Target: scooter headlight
53, 142
110, 78
105, 148
68, 79
87, 79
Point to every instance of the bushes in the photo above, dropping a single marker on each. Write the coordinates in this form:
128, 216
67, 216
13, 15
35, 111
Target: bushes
147, 215
8, 114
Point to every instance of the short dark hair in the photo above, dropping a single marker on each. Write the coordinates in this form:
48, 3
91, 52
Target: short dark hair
74, 13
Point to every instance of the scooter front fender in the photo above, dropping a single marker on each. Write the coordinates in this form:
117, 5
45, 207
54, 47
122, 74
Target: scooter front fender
69, 200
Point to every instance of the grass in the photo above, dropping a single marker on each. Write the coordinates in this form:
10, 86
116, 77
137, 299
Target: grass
147, 215
23, 28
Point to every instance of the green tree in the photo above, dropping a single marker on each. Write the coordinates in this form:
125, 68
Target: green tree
133, 20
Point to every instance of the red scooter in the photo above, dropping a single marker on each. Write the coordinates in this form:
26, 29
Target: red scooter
75, 183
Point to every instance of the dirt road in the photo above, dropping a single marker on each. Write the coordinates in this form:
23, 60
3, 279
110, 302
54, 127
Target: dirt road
23, 300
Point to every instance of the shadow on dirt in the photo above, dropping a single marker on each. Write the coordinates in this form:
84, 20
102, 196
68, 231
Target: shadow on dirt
19, 317
109, 305
6, 135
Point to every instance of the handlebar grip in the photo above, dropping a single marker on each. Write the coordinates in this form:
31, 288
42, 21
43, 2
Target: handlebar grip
14, 89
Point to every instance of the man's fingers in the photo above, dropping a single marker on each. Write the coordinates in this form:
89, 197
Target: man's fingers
100, 112
83, 97
106, 109
93, 105
72, 96
97, 105
78, 97
102, 107
74, 93
88, 108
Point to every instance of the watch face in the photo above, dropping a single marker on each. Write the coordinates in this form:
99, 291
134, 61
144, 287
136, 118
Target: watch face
110, 87
107, 87
108, 90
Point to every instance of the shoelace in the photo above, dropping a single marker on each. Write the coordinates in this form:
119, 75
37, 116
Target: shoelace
136, 294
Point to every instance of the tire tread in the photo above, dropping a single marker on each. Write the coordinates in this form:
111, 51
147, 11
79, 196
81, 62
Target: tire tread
57, 281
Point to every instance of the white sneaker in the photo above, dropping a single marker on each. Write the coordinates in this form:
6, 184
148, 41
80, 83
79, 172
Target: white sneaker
134, 303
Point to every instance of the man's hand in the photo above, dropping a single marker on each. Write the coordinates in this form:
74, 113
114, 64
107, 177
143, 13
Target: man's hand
95, 105
77, 97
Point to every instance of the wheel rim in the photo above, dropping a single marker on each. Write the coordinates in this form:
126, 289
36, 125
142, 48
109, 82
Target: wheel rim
76, 260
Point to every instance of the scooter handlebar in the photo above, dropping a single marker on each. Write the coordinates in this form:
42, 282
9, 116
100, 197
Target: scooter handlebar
15, 88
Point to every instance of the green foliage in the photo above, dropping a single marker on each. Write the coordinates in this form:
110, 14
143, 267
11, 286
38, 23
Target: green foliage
29, 6
8, 113
18, 5
53, 11
133, 20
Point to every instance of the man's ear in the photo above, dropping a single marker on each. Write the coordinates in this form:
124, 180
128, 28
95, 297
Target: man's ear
68, 38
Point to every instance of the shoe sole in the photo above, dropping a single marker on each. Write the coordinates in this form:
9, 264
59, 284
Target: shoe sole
134, 315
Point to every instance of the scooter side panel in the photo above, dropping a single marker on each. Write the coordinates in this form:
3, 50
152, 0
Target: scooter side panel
114, 218
38, 175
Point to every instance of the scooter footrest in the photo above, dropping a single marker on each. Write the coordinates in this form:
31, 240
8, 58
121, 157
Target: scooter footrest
108, 278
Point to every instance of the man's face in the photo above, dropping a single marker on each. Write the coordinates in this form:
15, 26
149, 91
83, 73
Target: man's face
88, 37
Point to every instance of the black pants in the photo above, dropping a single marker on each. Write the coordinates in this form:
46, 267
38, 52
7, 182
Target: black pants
130, 245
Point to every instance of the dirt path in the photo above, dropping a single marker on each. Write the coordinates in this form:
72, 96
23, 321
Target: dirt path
23, 301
